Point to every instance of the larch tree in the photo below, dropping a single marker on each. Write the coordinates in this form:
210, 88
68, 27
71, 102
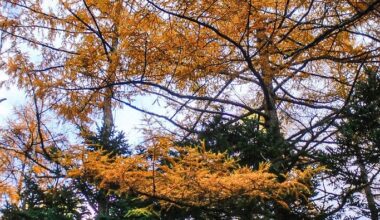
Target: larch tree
99, 49
29, 150
292, 64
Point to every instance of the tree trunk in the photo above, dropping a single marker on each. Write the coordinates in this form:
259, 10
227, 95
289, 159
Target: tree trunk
364, 179
108, 121
368, 192
113, 63
272, 123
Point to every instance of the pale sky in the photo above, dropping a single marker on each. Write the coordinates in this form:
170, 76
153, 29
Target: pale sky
14, 97
126, 119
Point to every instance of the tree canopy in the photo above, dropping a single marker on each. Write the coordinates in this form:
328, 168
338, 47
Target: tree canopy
267, 109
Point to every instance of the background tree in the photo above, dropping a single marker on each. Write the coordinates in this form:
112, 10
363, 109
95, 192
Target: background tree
355, 161
61, 202
247, 140
251, 144
108, 204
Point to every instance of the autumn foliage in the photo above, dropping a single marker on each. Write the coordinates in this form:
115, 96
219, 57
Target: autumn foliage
247, 115
190, 176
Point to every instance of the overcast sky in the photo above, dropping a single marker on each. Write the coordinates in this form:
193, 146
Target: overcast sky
14, 97
126, 119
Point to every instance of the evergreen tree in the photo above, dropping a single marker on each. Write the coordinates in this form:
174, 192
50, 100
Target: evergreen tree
108, 204
356, 158
245, 139
61, 203
251, 144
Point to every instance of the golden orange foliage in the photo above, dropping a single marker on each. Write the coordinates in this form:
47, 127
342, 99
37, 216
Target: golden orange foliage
181, 45
189, 176
8, 191
26, 149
